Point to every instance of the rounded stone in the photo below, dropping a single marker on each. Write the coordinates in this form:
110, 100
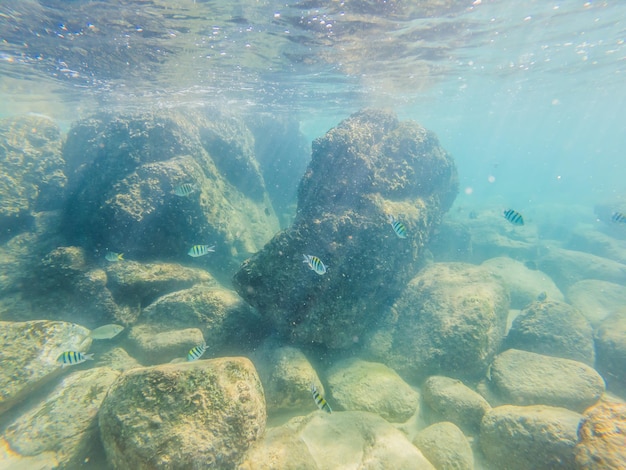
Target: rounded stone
445, 446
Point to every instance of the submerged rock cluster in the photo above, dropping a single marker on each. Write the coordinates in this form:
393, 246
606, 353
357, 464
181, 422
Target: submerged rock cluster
433, 342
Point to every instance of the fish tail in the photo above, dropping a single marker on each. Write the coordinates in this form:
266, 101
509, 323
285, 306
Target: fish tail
88, 357
120, 256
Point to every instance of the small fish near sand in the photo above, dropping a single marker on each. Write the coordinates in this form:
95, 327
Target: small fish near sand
618, 217
315, 264
69, 358
513, 216
196, 352
200, 250
113, 257
106, 331
398, 227
321, 403
185, 189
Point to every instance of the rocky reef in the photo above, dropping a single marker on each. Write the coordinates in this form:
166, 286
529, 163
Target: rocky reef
368, 168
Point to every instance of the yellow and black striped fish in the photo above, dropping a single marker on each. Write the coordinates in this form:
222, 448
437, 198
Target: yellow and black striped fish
200, 250
618, 217
513, 216
319, 400
196, 352
185, 189
315, 264
69, 358
397, 226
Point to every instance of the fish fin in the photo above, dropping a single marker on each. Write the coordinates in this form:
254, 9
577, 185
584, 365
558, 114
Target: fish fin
120, 256
89, 357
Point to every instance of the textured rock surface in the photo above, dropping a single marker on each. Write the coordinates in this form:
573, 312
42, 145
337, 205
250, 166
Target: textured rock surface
203, 414
28, 353
358, 385
450, 320
554, 329
525, 378
287, 376
566, 267
445, 446
451, 400
64, 422
368, 166
150, 345
602, 435
523, 284
351, 439
122, 171
596, 299
529, 437
32, 175
611, 351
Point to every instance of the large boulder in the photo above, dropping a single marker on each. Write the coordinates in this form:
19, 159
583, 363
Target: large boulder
451, 400
450, 320
554, 329
202, 414
29, 355
524, 284
601, 437
32, 175
596, 299
322, 441
611, 351
123, 171
368, 167
529, 437
65, 422
526, 378
359, 385
445, 446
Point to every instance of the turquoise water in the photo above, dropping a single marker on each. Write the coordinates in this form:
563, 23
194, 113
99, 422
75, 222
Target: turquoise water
528, 99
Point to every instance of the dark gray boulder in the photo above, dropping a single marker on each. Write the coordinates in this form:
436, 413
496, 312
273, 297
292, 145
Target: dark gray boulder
369, 166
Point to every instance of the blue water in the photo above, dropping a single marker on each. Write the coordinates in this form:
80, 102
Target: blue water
528, 97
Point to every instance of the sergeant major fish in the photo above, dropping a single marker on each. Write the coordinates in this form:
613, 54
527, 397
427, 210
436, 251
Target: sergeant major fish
618, 218
185, 189
114, 257
200, 250
321, 403
69, 358
315, 264
513, 216
196, 352
397, 226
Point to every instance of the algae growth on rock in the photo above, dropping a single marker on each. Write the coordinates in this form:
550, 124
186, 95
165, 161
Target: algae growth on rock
368, 167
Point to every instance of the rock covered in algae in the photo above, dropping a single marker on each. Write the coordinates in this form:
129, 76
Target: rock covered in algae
449, 320
123, 172
601, 437
359, 385
29, 352
554, 329
368, 167
350, 439
445, 446
202, 414
451, 400
526, 378
32, 175
525, 437
65, 421
611, 351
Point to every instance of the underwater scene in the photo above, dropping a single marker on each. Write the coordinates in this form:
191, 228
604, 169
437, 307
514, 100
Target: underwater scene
312, 234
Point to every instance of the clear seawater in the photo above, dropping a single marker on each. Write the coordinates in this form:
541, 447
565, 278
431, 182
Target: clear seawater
528, 96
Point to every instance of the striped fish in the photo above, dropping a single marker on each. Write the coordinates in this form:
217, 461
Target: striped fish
185, 189
315, 264
397, 226
618, 217
114, 257
69, 358
319, 400
513, 216
196, 352
200, 250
